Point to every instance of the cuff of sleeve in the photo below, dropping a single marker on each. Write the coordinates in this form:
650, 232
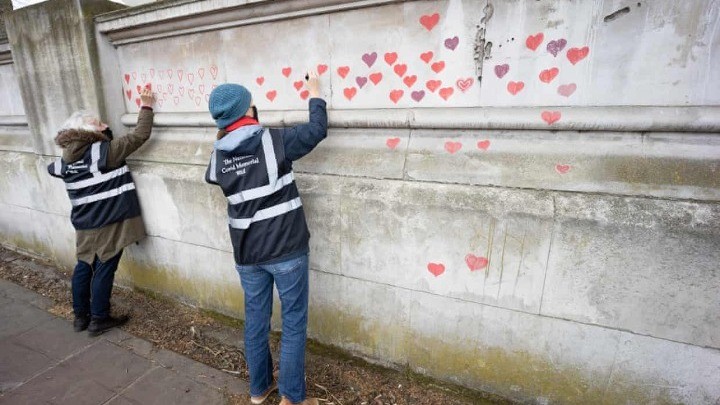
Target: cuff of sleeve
317, 100
146, 107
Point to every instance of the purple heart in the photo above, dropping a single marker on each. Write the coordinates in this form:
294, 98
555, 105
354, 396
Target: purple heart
452, 43
554, 47
369, 58
418, 95
501, 70
361, 80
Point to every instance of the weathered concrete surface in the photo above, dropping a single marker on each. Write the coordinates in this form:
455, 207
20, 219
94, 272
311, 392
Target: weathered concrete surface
42, 360
570, 262
54, 54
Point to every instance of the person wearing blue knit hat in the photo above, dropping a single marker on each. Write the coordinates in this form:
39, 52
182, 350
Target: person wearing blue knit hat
269, 234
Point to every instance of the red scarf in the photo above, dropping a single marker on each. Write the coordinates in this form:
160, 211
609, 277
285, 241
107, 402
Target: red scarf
243, 121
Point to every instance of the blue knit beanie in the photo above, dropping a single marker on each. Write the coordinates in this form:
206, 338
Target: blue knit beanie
228, 103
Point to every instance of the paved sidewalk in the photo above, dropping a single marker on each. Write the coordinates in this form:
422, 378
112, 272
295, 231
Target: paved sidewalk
42, 360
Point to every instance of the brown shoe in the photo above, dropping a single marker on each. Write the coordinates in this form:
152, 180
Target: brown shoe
265, 395
307, 401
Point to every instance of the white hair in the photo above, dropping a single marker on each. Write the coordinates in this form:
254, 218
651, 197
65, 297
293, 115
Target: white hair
81, 120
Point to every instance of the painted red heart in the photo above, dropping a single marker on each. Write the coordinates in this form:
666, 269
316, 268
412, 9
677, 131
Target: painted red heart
392, 142
180, 75
304, 94
436, 269
452, 147
550, 117
430, 21
201, 73
350, 92
213, 71
396, 95
567, 90
410, 80
201, 88
575, 55
390, 58
484, 145
562, 169
515, 87
169, 74
322, 69
463, 85
400, 69
190, 77
286, 71
433, 85
343, 71
138, 101
271, 95
547, 75
426, 56
260, 80
376, 77
181, 90
533, 41
298, 85
446, 92
127, 78
129, 94
437, 67
476, 262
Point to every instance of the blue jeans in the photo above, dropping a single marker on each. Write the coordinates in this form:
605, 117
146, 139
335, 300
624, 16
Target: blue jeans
291, 279
92, 287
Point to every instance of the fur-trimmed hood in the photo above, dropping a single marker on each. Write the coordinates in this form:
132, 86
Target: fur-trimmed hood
74, 142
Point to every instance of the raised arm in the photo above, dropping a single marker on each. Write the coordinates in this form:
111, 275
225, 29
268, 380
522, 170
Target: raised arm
122, 147
302, 139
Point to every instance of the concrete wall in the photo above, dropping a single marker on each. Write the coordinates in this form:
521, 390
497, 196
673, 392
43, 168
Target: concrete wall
554, 241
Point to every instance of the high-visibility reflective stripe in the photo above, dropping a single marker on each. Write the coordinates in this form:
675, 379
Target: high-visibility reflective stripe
263, 191
213, 166
104, 195
97, 179
58, 167
95, 156
267, 213
274, 184
270, 160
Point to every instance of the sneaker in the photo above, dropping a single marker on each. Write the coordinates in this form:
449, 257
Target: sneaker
307, 401
265, 395
81, 323
98, 326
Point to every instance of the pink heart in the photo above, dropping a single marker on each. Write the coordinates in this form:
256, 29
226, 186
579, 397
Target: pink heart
436, 268
392, 142
550, 117
463, 85
567, 90
562, 169
484, 145
452, 147
476, 262
429, 21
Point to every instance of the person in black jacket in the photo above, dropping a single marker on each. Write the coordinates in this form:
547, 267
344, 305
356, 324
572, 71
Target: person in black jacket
253, 167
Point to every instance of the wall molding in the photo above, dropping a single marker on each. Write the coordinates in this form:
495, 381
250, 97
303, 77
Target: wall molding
705, 119
151, 22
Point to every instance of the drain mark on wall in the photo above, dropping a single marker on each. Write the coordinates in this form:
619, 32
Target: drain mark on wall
482, 49
617, 14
